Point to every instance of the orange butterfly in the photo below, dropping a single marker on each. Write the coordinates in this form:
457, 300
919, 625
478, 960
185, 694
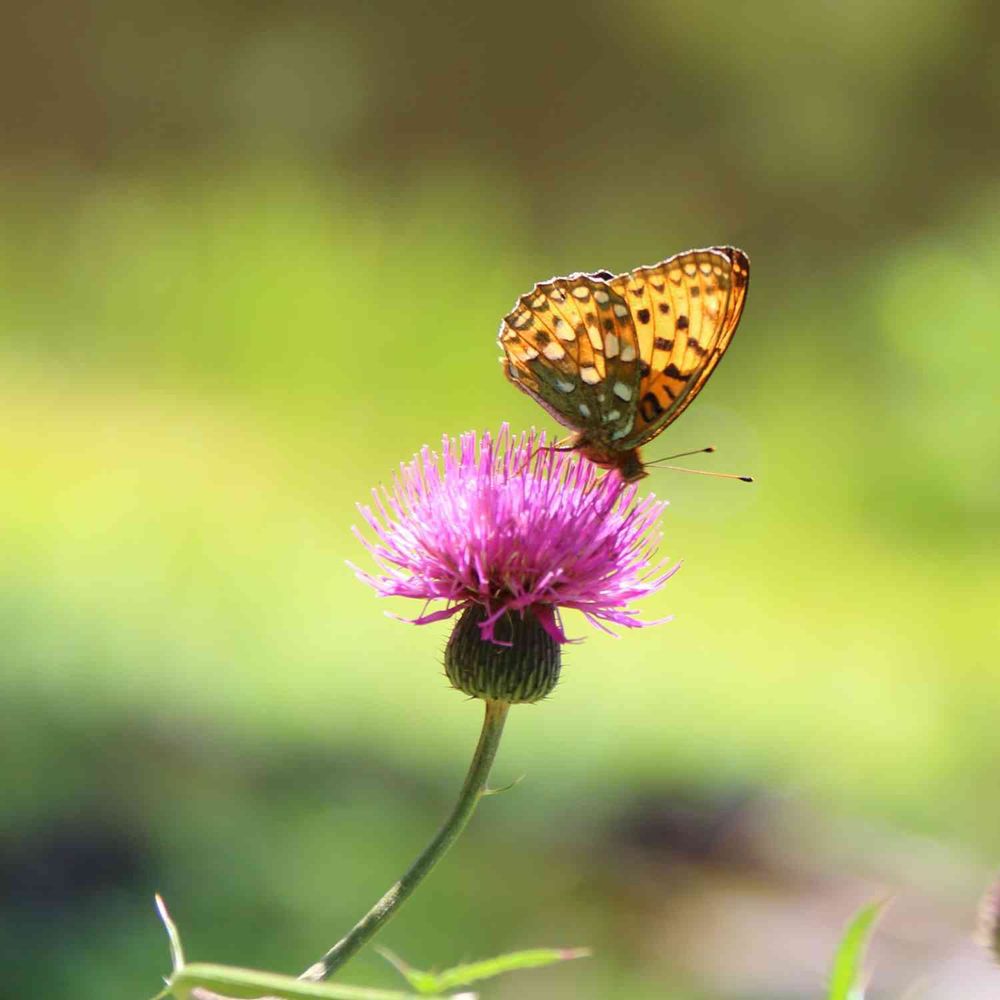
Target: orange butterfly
619, 357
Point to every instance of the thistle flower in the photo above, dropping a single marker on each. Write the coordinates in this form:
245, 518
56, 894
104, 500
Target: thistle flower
509, 531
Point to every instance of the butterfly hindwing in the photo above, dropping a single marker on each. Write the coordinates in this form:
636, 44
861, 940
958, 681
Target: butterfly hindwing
571, 343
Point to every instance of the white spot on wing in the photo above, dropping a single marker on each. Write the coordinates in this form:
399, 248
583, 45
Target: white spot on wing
581, 292
610, 345
622, 391
602, 296
624, 429
621, 311
563, 386
563, 330
590, 375
554, 351
584, 409
628, 353
611, 416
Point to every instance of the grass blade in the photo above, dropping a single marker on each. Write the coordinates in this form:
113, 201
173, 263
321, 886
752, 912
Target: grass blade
435, 983
850, 954
173, 935
236, 982
534, 958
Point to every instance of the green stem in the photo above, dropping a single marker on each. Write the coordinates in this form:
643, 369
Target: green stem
472, 791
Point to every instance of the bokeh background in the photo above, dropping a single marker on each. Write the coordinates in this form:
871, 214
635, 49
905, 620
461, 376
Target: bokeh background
253, 255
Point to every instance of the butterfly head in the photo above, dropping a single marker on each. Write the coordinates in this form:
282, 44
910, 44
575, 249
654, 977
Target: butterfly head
627, 462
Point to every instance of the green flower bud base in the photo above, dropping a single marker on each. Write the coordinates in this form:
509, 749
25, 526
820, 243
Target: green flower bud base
526, 670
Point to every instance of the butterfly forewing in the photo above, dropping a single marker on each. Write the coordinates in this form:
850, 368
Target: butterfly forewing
617, 358
686, 311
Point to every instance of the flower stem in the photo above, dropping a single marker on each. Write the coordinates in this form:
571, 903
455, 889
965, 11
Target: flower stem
472, 791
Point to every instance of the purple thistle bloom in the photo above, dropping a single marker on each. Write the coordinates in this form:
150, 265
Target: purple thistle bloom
513, 525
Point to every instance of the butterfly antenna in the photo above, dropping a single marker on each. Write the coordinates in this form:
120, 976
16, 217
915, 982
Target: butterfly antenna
697, 472
702, 472
684, 454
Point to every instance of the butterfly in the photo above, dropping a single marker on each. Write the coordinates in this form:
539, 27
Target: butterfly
618, 358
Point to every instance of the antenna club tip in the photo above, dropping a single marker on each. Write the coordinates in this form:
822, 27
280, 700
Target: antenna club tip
710, 448
746, 479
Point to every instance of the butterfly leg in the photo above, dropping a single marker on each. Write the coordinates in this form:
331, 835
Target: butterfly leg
566, 444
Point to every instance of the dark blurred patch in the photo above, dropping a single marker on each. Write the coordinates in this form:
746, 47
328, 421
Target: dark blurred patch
690, 827
52, 872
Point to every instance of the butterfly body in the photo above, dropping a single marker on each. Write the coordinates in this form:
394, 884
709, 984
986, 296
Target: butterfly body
617, 358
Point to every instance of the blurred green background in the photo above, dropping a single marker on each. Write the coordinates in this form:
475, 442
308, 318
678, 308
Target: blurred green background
254, 255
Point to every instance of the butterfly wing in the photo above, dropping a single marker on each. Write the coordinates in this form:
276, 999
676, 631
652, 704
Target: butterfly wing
685, 311
618, 358
571, 344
